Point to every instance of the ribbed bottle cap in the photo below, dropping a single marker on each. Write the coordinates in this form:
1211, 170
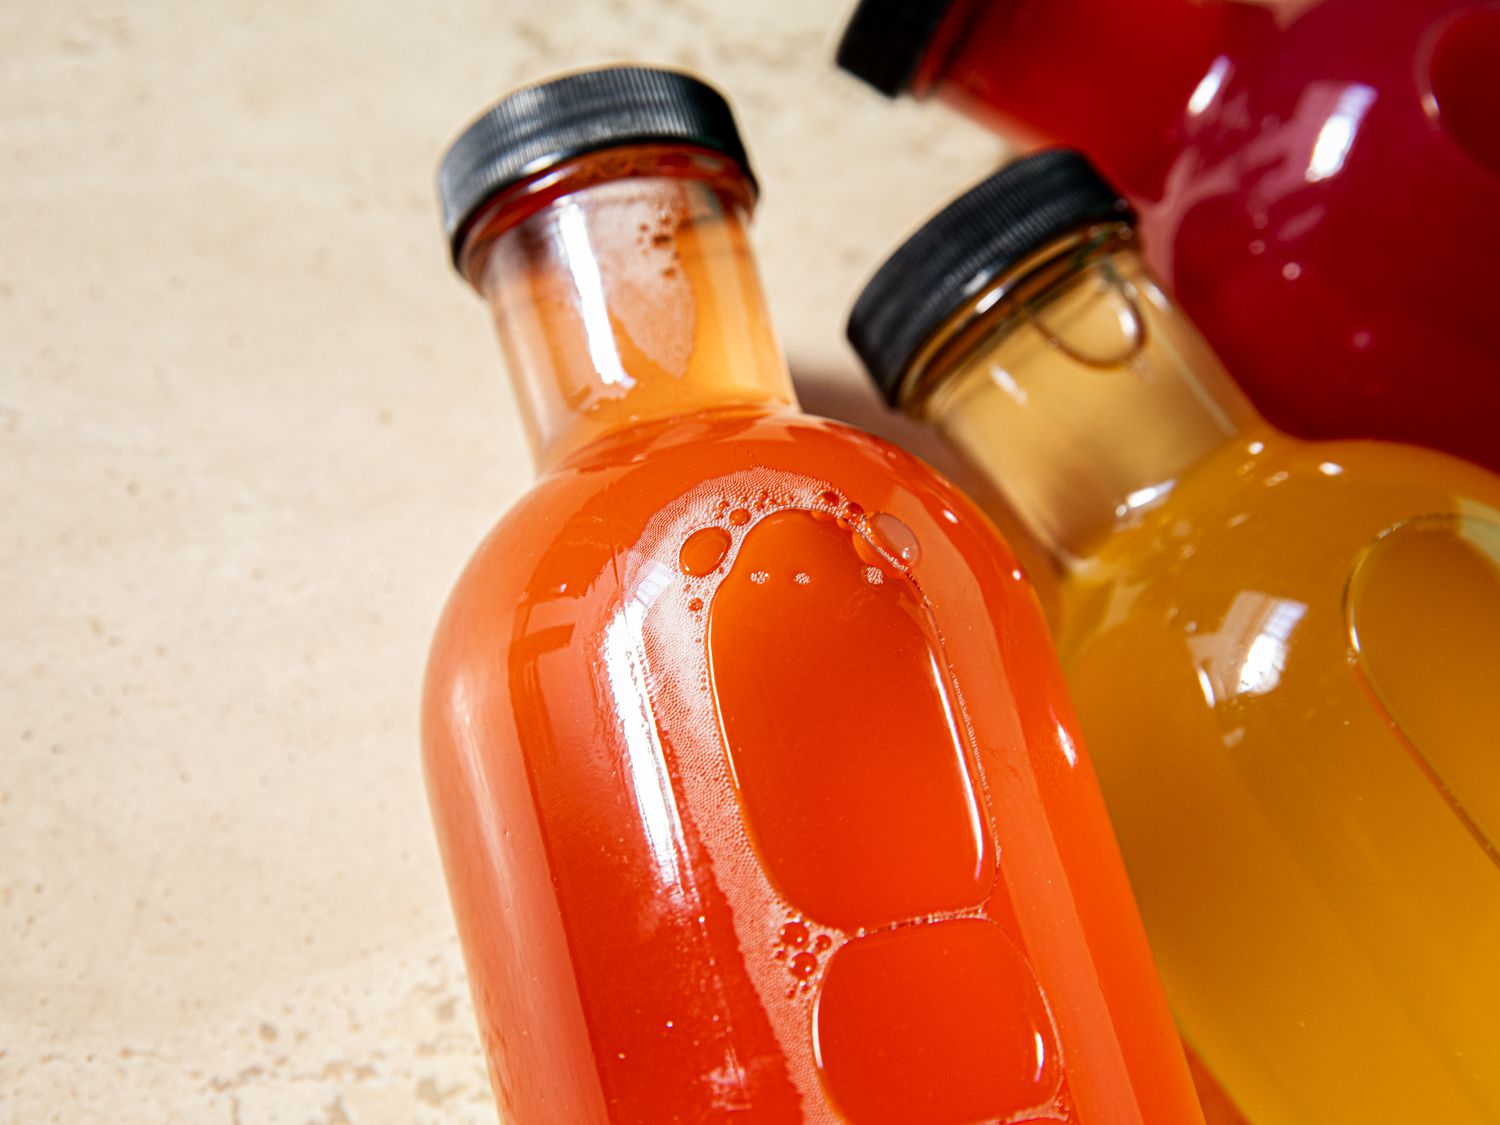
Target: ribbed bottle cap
965, 246
540, 126
886, 39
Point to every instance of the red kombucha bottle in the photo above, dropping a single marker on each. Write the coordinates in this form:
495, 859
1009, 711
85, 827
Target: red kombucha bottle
1317, 181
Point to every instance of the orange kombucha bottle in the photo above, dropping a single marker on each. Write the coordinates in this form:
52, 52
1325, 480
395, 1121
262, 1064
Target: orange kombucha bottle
755, 781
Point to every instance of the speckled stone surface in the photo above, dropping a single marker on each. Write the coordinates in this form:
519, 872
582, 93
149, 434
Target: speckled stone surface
250, 428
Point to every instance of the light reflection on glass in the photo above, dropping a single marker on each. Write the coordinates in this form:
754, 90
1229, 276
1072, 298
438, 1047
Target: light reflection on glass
971, 800
645, 760
1208, 687
1208, 86
1336, 137
1007, 383
469, 744
583, 265
1066, 740
1148, 495
1248, 653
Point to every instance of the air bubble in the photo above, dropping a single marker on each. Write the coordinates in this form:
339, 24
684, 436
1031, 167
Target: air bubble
703, 551
739, 517
695, 605
802, 966
822, 944
794, 933
895, 537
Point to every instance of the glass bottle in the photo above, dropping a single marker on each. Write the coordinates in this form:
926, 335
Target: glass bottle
1283, 653
1316, 179
754, 778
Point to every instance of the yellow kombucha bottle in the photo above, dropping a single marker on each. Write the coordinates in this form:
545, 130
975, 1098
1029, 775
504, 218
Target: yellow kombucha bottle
1285, 655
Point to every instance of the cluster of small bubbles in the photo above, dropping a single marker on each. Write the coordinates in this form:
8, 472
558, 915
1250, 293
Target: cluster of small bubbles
802, 578
874, 575
673, 635
800, 949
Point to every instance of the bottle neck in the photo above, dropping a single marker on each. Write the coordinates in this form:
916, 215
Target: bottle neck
624, 291
1078, 390
1052, 71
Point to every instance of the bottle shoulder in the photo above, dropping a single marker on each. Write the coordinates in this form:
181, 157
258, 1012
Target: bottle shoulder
1300, 499
1272, 518
616, 520
616, 487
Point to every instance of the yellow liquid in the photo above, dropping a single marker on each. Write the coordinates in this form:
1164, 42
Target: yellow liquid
1288, 678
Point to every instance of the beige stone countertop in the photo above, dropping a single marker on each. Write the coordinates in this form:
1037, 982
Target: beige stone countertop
250, 428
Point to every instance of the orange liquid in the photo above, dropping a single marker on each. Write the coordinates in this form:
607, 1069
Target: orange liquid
760, 798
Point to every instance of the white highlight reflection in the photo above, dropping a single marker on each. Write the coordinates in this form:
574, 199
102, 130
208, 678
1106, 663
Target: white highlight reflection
1336, 137
1208, 687
1265, 659
1007, 383
1148, 495
591, 305
958, 742
1070, 751
1248, 653
645, 760
1208, 86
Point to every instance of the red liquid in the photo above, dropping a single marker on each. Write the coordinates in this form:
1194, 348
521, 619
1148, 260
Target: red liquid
745, 817
1317, 186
